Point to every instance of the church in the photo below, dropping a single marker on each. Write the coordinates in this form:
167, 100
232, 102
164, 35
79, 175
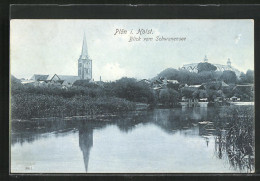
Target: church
84, 62
84, 71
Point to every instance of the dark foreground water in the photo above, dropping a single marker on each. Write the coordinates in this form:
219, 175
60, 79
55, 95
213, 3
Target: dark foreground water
158, 141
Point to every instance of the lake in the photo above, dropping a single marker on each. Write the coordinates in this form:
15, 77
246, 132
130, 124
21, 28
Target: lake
179, 140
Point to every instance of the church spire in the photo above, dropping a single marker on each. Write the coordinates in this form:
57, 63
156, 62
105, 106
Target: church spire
84, 51
84, 62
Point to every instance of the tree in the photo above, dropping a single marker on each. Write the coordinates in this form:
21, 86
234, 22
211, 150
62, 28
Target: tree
212, 94
204, 77
206, 74
229, 76
174, 96
245, 93
242, 78
169, 97
132, 90
187, 92
200, 94
169, 73
84, 83
16, 85
228, 91
206, 67
214, 85
250, 76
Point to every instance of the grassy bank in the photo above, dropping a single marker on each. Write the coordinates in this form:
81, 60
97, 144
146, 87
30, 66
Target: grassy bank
26, 106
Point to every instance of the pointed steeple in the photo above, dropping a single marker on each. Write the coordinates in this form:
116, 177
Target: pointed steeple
84, 51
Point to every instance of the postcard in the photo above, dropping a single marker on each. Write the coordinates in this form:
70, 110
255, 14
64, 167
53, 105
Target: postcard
132, 96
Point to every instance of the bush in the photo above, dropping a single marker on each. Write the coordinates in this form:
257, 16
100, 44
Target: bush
130, 89
206, 67
169, 97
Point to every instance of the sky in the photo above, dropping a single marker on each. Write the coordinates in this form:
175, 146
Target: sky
54, 46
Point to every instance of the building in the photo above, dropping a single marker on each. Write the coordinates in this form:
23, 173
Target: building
84, 62
234, 98
163, 83
246, 87
193, 67
197, 87
84, 72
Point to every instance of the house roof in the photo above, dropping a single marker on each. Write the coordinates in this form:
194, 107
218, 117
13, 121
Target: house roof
194, 86
204, 99
69, 78
39, 77
246, 85
27, 81
173, 81
224, 84
145, 81
52, 76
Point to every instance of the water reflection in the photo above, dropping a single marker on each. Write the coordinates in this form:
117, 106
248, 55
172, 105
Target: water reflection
86, 143
233, 142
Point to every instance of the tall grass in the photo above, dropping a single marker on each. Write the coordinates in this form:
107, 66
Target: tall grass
235, 138
26, 105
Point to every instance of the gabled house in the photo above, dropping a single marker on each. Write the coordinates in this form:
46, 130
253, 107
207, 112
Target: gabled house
53, 78
224, 85
70, 79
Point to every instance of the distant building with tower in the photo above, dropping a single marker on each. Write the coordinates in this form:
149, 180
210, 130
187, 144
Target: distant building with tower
193, 67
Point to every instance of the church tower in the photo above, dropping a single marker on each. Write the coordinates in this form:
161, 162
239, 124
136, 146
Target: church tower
84, 62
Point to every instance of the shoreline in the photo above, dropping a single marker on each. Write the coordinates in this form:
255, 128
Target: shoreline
108, 115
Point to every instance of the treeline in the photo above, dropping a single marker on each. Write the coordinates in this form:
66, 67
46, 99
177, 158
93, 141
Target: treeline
28, 101
203, 76
83, 98
125, 88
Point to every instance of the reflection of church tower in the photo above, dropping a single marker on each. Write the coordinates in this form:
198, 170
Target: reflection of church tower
86, 143
84, 62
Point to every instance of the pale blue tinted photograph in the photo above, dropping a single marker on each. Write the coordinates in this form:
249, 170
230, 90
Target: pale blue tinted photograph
132, 96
